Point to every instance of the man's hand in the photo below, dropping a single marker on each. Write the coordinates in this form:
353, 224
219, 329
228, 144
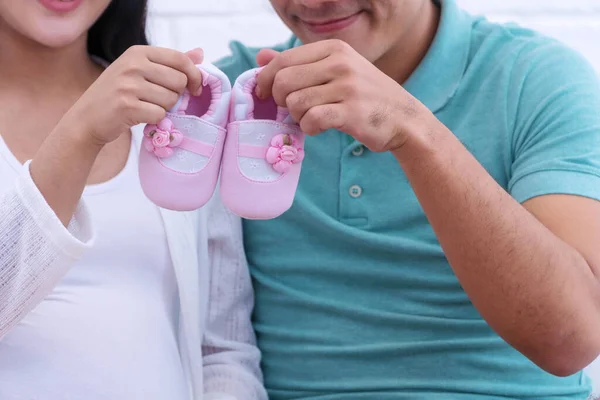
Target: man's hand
328, 85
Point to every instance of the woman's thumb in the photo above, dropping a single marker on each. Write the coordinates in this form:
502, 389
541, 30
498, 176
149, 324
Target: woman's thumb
196, 55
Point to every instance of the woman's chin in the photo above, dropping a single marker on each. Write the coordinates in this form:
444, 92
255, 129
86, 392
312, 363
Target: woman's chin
57, 37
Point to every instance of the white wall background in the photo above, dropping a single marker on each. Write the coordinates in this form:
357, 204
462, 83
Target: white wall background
211, 24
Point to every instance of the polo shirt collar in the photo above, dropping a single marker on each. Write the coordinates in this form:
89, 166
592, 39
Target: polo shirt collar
438, 76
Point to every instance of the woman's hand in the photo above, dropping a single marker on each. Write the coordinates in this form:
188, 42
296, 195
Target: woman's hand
139, 87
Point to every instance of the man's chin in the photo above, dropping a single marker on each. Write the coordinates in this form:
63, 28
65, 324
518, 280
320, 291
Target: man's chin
350, 30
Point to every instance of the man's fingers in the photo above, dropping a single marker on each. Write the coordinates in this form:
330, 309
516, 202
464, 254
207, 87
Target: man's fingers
265, 56
306, 54
299, 102
321, 118
298, 77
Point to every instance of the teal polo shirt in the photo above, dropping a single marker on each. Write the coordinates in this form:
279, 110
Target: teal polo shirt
355, 299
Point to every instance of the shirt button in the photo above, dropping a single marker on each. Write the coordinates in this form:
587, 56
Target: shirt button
355, 191
358, 151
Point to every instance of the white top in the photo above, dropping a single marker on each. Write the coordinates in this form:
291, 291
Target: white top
216, 341
108, 330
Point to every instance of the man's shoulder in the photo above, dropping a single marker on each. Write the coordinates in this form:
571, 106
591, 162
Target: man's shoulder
520, 49
243, 58
525, 60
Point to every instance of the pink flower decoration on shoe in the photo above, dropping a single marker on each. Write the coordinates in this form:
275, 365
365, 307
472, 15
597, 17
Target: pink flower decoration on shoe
160, 139
283, 153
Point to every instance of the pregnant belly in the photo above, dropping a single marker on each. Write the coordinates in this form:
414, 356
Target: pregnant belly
93, 343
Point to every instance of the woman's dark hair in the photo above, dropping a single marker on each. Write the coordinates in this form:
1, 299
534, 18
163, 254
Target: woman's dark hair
122, 25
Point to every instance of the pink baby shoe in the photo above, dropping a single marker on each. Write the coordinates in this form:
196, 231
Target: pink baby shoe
263, 154
180, 158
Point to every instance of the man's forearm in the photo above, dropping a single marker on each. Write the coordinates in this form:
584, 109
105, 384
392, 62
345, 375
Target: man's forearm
532, 288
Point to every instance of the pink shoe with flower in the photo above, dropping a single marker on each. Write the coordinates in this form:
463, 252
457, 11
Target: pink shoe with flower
263, 154
180, 158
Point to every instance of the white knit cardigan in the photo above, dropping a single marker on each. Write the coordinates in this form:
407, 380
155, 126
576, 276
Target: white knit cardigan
216, 338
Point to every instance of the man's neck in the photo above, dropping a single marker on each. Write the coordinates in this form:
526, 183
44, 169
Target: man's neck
404, 58
35, 70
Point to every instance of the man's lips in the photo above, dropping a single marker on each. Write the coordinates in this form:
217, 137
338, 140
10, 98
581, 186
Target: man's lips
331, 25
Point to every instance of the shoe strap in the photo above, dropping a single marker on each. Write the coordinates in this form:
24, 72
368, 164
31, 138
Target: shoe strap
270, 129
162, 138
284, 151
196, 146
252, 151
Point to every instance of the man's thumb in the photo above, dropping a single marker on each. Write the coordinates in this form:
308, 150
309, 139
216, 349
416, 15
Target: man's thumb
265, 56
